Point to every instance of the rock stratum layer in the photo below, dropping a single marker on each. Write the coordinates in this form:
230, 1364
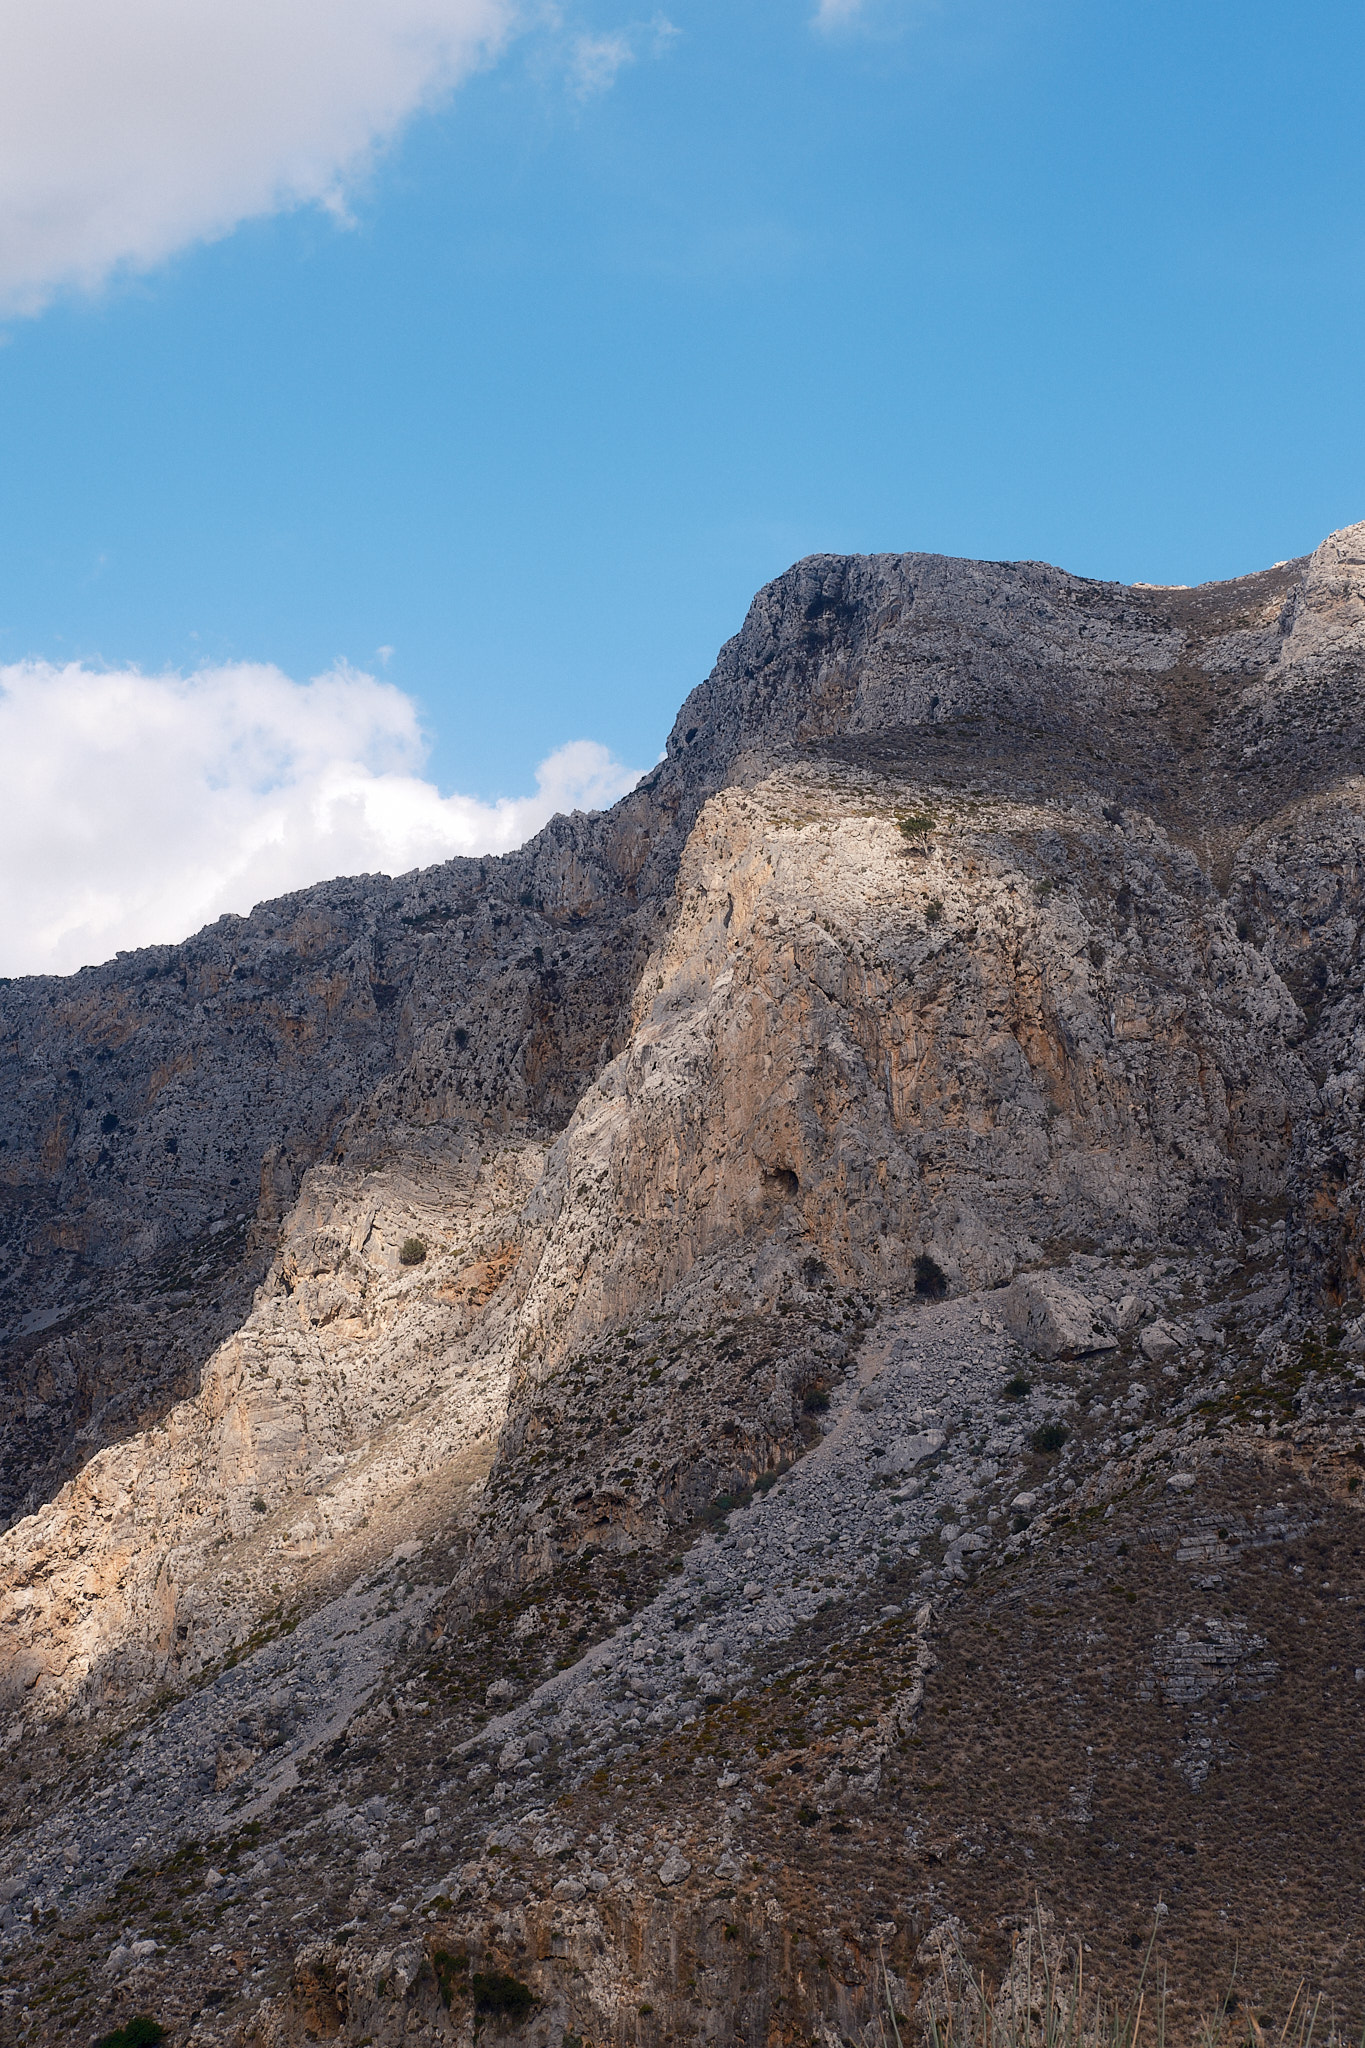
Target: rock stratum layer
661, 1437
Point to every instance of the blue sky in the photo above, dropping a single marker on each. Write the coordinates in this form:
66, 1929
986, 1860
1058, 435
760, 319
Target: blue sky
650, 305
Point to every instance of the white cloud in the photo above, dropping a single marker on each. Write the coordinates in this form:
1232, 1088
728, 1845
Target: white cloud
134, 808
596, 60
131, 128
873, 17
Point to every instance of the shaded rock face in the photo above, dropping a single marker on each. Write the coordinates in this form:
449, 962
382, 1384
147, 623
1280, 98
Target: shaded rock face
465, 1330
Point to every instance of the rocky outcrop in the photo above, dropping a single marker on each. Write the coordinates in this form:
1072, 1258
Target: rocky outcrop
541, 1302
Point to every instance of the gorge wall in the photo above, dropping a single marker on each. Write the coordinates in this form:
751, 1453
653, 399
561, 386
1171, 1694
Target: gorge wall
875, 1367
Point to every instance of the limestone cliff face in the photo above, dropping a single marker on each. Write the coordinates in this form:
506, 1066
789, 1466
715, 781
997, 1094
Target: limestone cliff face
982, 924
158, 1113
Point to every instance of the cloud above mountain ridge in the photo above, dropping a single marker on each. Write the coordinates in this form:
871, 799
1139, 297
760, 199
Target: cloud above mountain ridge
129, 132
135, 808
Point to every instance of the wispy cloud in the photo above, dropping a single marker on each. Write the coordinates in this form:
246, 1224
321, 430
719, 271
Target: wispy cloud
595, 61
128, 132
882, 18
134, 808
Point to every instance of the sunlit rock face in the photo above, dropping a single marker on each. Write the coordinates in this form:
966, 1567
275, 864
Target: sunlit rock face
944, 1064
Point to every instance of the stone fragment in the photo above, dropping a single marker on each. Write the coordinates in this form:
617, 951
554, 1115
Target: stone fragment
1158, 1341
908, 1451
674, 1868
1053, 1320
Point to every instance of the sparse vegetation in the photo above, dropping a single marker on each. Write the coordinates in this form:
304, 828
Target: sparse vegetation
141, 2032
505, 1996
412, 1251
449, 1970
1045, 2002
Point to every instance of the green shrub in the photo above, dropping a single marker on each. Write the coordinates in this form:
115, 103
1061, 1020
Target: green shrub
918, 825
933, 910
497, 1992
447, 1968
816, 1402
412, 1251
139, 2033
1018, 1389
1049, 1438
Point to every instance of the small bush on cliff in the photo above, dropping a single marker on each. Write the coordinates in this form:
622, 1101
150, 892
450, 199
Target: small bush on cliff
497, 1992
933, 910
917, 826
1049, 1438
139, 2033
449, 1971
412, 1251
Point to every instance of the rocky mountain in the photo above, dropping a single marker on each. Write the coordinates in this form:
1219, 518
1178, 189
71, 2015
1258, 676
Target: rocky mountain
666, 1436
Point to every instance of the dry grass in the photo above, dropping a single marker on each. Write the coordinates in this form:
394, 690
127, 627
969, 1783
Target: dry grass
1043, 2001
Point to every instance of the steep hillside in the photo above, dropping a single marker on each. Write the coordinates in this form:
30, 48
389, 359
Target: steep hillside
659, 1419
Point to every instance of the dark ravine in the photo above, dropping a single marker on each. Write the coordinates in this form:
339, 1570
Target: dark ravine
873, 1435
